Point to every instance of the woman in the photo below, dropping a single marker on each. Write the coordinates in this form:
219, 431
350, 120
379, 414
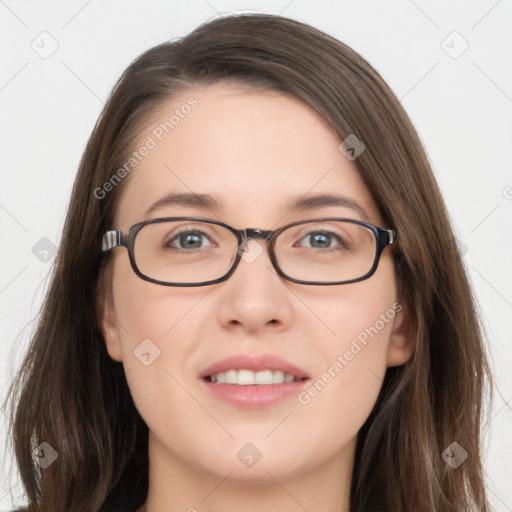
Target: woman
258, 302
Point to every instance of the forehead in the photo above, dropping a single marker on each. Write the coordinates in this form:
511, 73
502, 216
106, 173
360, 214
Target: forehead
252, 150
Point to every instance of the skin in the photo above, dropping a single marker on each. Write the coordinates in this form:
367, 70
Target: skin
254, 150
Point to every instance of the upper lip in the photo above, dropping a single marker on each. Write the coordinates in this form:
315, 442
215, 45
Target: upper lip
254, 363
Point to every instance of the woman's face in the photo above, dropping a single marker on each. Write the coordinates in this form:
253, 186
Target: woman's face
253, 152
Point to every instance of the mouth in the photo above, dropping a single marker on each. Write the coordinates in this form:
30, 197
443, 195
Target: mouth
252, 381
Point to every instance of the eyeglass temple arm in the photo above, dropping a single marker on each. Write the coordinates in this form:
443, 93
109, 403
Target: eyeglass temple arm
388, 239
111, 239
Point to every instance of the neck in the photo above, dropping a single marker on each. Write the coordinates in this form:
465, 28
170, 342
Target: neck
176, 485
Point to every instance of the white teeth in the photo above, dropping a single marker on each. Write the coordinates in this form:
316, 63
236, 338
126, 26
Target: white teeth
231, 376
244, 377
248, 377
265, 377
278, 377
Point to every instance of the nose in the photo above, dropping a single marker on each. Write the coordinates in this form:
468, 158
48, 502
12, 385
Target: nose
255, 296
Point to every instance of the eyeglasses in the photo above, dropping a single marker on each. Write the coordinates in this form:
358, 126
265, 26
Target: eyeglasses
194, 251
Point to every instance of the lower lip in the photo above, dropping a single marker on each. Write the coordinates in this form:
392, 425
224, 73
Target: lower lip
254, 396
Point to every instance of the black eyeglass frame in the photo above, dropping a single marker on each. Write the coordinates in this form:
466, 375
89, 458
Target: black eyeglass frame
114, 238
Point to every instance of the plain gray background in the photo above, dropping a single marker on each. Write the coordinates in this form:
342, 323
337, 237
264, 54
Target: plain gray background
448, 62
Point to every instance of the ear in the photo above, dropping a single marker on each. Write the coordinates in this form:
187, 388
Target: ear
106, 320
401, 342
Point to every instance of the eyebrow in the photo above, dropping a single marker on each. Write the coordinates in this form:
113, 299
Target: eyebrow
317, 201
304, 203
192, 200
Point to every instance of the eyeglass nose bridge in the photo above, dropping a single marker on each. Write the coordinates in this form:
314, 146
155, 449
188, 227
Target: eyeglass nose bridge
262, 234
253, 233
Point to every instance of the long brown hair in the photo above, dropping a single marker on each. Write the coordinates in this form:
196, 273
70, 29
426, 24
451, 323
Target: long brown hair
70, 394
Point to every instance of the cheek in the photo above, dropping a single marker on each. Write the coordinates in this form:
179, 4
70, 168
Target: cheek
356, 315
147, 310
359, 321
156, 324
